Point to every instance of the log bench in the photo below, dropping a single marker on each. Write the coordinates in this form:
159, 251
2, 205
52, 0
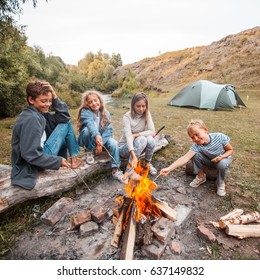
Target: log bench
51, 182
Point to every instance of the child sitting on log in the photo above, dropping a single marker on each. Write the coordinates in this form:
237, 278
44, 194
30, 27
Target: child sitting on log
210, 149
40, 138
95, 130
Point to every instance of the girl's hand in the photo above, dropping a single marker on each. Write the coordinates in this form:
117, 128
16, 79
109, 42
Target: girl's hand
134, 161
135, 135
98, 150
65, 163
99, 141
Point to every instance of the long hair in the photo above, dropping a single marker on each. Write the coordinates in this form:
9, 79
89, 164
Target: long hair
137, 97
84, 105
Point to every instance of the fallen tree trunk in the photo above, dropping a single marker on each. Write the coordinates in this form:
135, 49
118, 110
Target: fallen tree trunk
51, 182
243, 231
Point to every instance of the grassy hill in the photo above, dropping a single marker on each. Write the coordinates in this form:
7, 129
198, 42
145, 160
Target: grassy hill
234, 59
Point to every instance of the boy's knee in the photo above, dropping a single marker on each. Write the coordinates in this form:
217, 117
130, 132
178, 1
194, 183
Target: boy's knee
223, 164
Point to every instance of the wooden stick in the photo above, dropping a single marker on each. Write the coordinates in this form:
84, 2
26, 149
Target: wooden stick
127, 252
243, 231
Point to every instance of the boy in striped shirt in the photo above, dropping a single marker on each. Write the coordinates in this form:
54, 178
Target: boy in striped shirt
210, 149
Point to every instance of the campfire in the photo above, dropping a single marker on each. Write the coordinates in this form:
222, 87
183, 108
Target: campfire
138, 213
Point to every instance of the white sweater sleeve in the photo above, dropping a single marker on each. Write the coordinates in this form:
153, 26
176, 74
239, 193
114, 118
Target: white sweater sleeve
150, 127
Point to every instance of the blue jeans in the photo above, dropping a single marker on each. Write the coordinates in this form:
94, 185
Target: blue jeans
222, 166
142, 144
110, 143
61, 139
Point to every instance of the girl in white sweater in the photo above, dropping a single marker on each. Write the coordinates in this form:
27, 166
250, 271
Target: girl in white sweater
138, 132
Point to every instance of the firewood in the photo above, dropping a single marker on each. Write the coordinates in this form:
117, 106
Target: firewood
167, 211
232, 214
127, 251
243, 231
119, 225
241, 219
118, 230
144, 233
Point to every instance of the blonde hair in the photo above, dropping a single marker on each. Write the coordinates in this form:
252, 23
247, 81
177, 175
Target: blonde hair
104, 121
195, 122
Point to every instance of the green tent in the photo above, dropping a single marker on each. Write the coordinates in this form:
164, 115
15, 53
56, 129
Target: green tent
204, 94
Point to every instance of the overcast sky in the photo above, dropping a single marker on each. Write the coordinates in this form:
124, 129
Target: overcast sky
135, 29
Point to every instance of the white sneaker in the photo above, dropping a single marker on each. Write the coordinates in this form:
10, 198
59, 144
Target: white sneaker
118, 175
221, 190
198, 181
152, 170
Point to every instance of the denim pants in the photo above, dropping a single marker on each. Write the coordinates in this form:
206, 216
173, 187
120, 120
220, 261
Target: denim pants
110, 143
61, 139
142, 144
222, 166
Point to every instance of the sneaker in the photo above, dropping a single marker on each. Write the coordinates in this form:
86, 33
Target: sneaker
198, 181
152, 170
221, 190
118, 175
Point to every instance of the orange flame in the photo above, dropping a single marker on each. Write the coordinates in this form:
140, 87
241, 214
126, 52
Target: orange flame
141, 193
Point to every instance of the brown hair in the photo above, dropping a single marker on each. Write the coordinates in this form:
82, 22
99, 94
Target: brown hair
137, 97
84, 105
35, 89
195, 122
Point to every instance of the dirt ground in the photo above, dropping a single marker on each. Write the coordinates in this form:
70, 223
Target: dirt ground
59, 243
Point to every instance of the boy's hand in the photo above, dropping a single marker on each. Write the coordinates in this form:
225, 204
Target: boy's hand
50, 88
164, 171
65, 163
217, 159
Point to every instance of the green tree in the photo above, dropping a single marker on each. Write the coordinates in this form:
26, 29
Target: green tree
13, 69
9, 8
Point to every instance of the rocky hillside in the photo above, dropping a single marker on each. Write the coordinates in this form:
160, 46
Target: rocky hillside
234, 59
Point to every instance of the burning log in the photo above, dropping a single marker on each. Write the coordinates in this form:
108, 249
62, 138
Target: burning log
167, 211
144, 233
127, 251
119, 224
240, 219
243, 231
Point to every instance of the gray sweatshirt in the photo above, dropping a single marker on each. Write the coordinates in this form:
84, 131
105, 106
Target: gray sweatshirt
27, 154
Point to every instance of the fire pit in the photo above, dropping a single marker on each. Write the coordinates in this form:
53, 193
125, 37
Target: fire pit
139, 216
